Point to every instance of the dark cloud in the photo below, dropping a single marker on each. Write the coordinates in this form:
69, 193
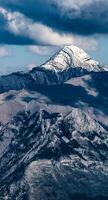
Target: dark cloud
8, 38
89, 19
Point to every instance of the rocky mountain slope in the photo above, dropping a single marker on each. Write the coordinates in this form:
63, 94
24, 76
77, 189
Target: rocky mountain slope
70, 62
54, 137
43, 152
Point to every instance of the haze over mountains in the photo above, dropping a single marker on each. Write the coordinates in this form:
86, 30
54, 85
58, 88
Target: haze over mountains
54, 130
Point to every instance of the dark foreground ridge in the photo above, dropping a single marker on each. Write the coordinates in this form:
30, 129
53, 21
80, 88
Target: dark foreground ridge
48, 152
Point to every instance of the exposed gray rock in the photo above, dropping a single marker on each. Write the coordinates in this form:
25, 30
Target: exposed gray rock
54, 134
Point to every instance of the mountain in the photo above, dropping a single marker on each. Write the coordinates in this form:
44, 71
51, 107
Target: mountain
70, 62
71, 57
54, 137
53, 150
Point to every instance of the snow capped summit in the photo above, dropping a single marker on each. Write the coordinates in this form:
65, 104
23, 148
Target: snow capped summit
70, 62
72, 57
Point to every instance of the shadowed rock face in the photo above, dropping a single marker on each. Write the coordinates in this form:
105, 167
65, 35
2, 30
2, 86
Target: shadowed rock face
53, 136
55, 156
39, 76
89, 92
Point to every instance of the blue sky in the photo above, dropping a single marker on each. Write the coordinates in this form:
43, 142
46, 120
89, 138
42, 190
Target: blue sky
31, 31
20, 58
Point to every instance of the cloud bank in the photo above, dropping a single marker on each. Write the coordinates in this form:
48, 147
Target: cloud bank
53, 22
75, 16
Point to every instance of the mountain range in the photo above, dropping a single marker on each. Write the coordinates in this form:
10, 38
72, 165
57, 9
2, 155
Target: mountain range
54, 130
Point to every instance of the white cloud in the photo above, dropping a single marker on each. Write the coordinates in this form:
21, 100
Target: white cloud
4, 51
42, 50
48, 50
18, 24
76, 4
30, 66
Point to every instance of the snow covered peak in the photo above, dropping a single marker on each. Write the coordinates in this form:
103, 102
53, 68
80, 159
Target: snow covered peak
82, 122
71, 57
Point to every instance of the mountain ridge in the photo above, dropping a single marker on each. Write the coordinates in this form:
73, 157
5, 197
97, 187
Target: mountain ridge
71, 57
43, 138
54, 133
60, 68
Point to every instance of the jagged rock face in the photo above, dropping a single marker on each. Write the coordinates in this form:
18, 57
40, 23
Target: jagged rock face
53, 136
53, 149
88, 93
65, 180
